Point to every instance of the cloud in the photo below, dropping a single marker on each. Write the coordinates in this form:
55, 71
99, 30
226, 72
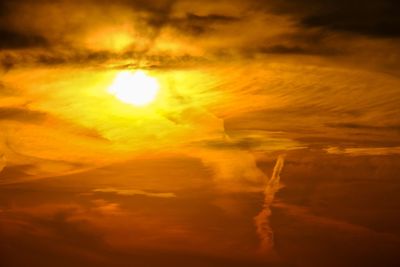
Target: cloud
106, 208
351, 125
151, 33
234, 170
375, 18
240, 80
297, 50
14, 40
278, 106
264, 229
198, 25
133, 192
364, 151
21, 114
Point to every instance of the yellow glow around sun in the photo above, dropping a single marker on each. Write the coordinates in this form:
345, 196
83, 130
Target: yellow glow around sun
138, 88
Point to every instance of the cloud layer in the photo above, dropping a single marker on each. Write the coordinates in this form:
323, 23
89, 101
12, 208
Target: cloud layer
241, 83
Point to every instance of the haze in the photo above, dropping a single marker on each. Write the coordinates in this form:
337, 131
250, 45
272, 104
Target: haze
265, 133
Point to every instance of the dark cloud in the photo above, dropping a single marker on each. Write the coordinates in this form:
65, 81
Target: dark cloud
9, 173
60, 39
157, 7
79, 57
297, 50
211, 18
377, 18
15, 40
201, 24
158, 20
21, 114
351, 125
281, 49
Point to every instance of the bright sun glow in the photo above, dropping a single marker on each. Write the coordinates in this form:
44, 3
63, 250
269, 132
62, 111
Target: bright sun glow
136, 88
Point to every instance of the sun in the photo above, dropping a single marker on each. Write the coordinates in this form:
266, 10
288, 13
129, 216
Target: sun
137, 88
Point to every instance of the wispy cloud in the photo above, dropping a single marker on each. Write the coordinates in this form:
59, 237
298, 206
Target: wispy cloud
133, 192
364, 151
264, 230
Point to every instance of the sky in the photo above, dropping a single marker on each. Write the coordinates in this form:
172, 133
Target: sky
273, 139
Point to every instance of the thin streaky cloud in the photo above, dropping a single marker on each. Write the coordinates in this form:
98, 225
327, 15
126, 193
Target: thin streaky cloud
264, 229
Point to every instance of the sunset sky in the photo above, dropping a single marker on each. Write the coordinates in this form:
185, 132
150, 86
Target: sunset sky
208, 133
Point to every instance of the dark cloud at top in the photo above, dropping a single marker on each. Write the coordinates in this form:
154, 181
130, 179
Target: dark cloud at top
197, 24
51, 32
297, 50
14, 40
377, 18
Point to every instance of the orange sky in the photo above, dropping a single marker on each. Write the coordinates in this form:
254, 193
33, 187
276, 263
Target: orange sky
273, 139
